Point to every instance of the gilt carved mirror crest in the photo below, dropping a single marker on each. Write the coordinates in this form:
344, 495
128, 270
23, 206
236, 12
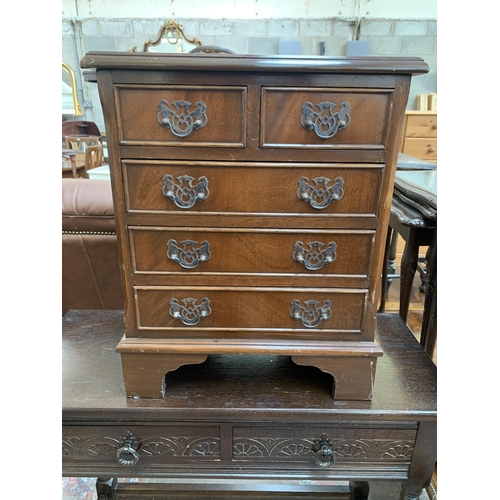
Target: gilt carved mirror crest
171, 38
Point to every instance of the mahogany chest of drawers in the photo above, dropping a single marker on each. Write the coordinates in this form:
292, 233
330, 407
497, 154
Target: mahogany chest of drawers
251, 198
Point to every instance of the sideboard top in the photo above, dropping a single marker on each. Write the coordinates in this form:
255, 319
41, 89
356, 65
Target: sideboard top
257, 63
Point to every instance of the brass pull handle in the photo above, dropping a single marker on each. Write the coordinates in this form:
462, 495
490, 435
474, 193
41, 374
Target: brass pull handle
324, 456
127, 453
432, 149
187, 255
189, 312
314, 257
181, 121
312, 313
325, 122
183, 193
320, 195
434, 127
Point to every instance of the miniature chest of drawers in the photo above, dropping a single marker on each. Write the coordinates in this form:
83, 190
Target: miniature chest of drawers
251, 198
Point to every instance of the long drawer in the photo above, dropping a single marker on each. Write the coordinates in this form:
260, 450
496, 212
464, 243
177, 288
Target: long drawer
167, 250
237, 312
261, 188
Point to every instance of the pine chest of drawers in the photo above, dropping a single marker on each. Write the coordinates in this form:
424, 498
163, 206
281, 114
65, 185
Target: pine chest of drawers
251, 198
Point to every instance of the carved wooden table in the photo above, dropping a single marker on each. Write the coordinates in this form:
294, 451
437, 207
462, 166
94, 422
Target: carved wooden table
277, 422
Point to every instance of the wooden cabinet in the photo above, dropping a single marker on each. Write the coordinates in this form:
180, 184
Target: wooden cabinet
420, 135
275, 427
251, 205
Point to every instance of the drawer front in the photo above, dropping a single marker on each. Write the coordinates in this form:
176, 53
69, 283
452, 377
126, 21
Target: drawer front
212, 312
325, 118
426, 149
212, 250
345, 447
206, 187
189, 115
421, 126
153, 445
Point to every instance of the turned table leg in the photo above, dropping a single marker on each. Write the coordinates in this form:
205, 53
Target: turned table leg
423, 462
385, 272
429, 321
106, 488
409, 262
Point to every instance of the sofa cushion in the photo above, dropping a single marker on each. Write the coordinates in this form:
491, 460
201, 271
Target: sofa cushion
87, 205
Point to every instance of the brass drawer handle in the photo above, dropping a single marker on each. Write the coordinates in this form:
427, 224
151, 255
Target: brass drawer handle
314, 257
189, 312
324, 456
320, 195
312, 314
127, 453
184, 194
182, 121
325, 122
187, 255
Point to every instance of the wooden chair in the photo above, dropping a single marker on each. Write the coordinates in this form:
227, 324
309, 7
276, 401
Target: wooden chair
75, 127
93, 156
80, 141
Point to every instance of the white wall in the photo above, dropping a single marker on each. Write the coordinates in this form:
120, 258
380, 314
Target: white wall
250, 9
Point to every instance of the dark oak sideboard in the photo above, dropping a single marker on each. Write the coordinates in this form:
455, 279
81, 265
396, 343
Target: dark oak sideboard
252, 201
238, 417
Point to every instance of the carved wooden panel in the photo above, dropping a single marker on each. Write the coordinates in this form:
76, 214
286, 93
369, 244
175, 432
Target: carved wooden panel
160, 445
299, 445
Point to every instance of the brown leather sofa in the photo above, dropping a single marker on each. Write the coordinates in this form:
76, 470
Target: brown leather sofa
90, 268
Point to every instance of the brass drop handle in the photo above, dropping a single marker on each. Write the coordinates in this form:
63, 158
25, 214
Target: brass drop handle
324, 456
183, 192
181, 121
325, 122
127, 453
188, 311
188, 254
319, 193
315, 255
312, 313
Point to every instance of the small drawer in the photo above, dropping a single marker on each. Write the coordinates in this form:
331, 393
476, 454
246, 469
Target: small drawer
181, 115
167, 250
425, 149
324, 448
206, 187
131, 447
324, 118
237, 312
424, 125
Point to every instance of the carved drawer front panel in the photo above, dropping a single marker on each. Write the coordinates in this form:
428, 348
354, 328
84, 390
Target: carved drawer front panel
167, 250
128, 446
181, 115
325, 118
216, 188
323, 448
230, 312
